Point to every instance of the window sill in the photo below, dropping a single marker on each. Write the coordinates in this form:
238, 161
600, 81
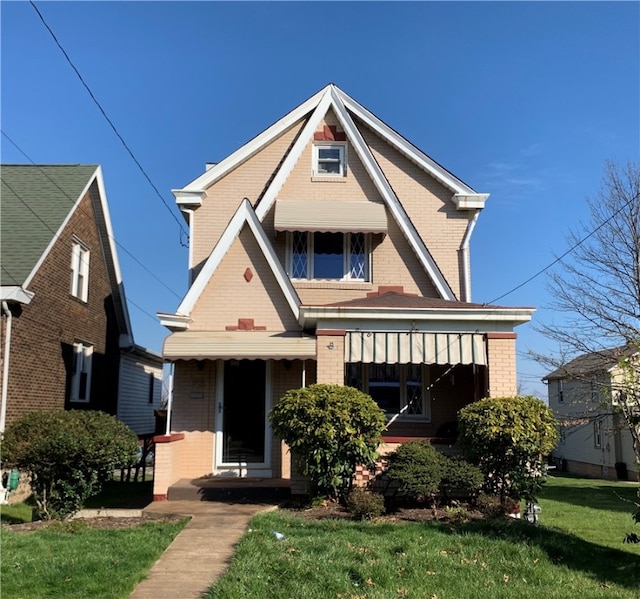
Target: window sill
320, 284
329, 179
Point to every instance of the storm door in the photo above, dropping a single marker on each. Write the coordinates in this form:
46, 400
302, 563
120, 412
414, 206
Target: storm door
242, 440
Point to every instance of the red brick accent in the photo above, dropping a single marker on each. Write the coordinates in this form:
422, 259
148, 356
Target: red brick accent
502, 335
330, 133
160, 497
330, 333
364, 475
168, 438
248, 275
246, 324
259, 328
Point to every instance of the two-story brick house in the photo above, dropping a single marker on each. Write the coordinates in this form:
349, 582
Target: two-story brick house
67, 341
327, 249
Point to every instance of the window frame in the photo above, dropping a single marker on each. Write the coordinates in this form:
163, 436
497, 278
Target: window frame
80, 261
597, 434
560, 391
82, 364
346, 256
341, 160
403, 416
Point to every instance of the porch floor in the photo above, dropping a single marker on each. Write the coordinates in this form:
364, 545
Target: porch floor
237, 490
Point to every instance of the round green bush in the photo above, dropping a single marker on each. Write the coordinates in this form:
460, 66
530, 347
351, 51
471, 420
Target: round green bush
460, 478
364, 504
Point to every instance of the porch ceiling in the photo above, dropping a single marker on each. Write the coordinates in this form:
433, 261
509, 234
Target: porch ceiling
238, 345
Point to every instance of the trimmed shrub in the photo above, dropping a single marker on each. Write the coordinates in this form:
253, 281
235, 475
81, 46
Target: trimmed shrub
460, 478
69, 455
330, 429
365, 505
508, 437
415, 471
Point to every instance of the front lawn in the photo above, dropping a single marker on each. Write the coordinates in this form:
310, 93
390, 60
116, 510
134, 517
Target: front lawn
75, 560
577, 551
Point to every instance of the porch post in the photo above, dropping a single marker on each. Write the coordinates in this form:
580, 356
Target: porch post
330, 355
501, 351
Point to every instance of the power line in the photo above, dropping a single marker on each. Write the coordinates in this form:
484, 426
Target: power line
72, 201
110, 122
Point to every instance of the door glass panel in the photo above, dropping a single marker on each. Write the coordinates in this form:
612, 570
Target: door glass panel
244, 412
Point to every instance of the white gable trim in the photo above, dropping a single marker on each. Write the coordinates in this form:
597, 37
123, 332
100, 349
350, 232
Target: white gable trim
244, 215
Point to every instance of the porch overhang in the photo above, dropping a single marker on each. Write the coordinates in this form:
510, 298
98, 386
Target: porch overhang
238, 345
328, 216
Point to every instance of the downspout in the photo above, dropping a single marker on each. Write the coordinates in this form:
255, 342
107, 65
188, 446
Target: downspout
5, 381
189, 213
170, 400
466, 263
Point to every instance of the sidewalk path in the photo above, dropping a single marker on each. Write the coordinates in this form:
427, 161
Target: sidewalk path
201, 551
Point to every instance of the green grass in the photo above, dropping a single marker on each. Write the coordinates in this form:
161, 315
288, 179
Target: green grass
577, 551
72, 560
16, 514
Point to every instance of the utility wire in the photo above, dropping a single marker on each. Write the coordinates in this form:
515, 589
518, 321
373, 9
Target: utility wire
72, 202
110, 122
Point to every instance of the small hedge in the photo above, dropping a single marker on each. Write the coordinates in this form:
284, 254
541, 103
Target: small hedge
419, 473
364, 504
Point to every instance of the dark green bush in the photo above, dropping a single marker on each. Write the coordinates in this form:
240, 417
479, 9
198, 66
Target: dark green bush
460, 478
69, 454
330, 429
415, 471
365, 505
508, 437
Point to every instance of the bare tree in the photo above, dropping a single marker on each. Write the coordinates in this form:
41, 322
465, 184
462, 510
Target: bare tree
596, 289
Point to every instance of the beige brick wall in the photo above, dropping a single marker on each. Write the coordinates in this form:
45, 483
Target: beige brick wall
501, 350
330, 355
229, 296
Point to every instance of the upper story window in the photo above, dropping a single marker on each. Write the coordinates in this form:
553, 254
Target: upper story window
333, 256
79, 271
597, 433
81, 376
560, 391
329, 160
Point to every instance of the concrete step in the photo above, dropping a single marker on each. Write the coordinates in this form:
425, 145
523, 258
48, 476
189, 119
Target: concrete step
236, 490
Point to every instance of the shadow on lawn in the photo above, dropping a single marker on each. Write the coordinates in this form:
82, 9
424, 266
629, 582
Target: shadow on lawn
604, 564
597, 495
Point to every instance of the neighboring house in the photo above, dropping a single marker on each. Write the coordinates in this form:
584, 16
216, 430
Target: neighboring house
66, 336
594, 439
327, 249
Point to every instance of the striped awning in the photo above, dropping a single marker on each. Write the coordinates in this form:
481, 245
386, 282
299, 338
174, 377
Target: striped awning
415, 348
238, 345
329, 216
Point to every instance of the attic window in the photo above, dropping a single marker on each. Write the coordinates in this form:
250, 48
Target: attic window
79, 271
329, 160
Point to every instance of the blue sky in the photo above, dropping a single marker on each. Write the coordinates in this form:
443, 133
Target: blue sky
522, 100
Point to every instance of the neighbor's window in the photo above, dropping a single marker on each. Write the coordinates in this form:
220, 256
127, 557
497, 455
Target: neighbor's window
81, 376
597, 433
562, 435
336, 256
79, 271
594, 392
329, 160
560, 391
396, 388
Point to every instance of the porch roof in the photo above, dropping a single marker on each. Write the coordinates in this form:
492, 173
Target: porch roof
238, 345
329, 216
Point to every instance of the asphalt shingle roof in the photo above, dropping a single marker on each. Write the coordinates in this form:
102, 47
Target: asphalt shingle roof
593, 362
34, 202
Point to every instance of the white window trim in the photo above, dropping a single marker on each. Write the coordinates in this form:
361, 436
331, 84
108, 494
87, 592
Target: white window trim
82, 363
80, 256
341, 146
426, 404
597, 434
346, 258
560, 391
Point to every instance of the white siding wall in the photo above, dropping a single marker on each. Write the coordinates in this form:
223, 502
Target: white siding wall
134, 408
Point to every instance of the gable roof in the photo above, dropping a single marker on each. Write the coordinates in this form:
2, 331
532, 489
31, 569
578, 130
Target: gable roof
244, 215
593, 362
346, 109
37, 203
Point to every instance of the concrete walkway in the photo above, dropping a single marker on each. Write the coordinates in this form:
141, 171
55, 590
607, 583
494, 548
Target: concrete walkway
201, 551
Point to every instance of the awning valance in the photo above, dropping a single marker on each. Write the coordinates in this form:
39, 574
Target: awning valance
415, 348
238, 345
330, 216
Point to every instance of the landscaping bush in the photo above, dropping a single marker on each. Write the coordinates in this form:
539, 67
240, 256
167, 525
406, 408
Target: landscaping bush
415, 471
492, 506
69, 454
330, 429
365, 505
508, 437
460, 478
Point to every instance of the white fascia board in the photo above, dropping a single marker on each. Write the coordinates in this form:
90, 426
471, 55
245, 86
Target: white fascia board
188, 199
470, 201
482, 320
255, 145
408, 149
174, 322
16, 294
396, 209
244, 214
292, 158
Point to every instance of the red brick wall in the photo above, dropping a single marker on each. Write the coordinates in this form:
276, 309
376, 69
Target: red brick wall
43, 332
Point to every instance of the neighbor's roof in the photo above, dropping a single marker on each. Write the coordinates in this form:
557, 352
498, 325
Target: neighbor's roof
35, 201
592, 362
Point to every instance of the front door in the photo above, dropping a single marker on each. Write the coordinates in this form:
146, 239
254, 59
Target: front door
242, 447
